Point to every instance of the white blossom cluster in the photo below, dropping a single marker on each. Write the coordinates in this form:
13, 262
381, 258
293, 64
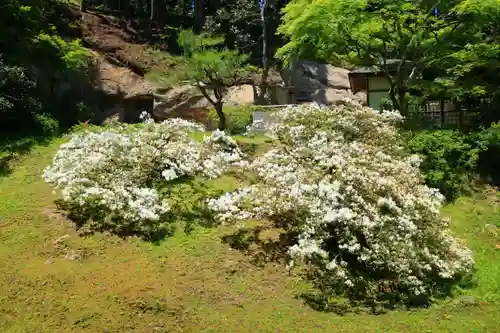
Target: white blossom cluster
112, 172
342, 180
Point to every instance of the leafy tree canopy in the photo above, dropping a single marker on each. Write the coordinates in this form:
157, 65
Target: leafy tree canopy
451, 42
212, 70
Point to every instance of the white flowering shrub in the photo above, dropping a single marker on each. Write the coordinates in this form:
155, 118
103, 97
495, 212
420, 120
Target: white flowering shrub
109, 175
341, 179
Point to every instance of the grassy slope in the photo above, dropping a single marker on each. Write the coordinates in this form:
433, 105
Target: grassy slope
190, 283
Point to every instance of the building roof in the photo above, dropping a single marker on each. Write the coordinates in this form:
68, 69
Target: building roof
391, 63
357, 77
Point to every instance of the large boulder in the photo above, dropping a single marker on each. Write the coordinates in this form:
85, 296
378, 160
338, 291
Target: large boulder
320, 82
123, 93
182, 99
177, 101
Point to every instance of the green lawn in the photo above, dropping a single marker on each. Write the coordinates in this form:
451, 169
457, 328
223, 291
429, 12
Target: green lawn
53, 280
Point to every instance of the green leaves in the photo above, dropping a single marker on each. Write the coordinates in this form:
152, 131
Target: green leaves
450, 160
457, 49
190, 42
207, 65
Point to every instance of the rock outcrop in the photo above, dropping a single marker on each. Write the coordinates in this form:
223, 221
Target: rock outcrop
321, 83
123, 58
123, 93
182, 99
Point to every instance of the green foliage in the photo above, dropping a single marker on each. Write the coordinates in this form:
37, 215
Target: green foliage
207, 65
47, 123
489, 159
240, 23
187, 198
449, 160
18, 100
453, 159
210, 69
238, 118
191, 42
43, 78
452, 54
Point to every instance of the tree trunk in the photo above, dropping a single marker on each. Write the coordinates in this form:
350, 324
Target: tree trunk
403, 103
221, 115
199, 14
265, 66
152, 12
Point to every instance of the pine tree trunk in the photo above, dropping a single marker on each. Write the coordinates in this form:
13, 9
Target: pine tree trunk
221, 115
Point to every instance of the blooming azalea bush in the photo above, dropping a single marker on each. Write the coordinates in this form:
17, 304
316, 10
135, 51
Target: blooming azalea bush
341, 179
108, 175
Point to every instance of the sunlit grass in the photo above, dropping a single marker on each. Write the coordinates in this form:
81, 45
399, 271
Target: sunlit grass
53, 280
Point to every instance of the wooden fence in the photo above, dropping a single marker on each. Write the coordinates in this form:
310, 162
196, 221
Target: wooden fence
433, 114
445, 114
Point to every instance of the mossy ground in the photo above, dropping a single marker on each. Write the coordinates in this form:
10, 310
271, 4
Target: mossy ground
53, 280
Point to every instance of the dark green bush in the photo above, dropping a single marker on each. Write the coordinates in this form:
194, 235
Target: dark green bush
489, 158
450, 159
237, 118
47, 124
18, 97
44, 78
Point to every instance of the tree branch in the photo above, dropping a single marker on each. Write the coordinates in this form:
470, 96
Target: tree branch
203, 91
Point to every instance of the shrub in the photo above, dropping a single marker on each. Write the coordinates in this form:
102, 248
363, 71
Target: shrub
18, 98
41, 74
238, 118
109, 176
48, 125
449, 159
489, 162
341, 179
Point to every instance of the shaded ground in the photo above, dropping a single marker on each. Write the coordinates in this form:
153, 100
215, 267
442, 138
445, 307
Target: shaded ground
52, 280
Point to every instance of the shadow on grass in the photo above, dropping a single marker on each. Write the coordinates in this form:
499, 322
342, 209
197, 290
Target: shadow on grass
263, 244
14, 146
89, 222
186, 197
328, 296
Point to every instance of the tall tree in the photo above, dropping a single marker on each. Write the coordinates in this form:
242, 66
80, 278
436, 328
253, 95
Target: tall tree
212, 70
422, 35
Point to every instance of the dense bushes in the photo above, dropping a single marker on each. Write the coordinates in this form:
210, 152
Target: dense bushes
489, 158
449, 159
453, 159
117, 178
341, 180
18, 101
43, 78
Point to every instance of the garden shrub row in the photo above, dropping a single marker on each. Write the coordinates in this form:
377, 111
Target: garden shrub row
452, 159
